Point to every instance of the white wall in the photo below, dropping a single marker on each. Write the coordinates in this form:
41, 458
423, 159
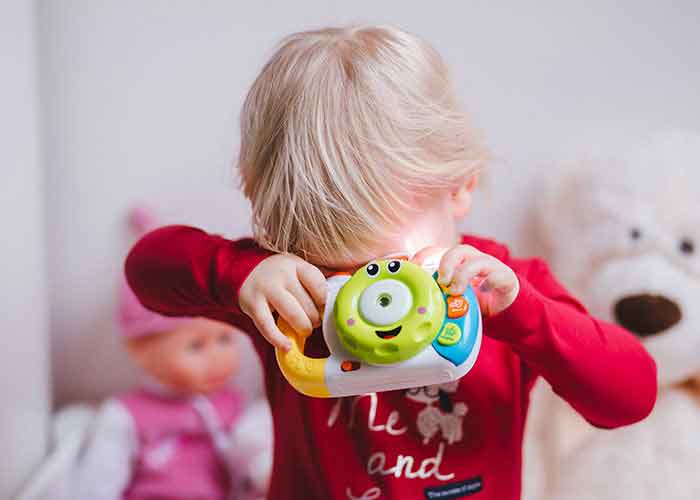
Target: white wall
24, 381
141, 102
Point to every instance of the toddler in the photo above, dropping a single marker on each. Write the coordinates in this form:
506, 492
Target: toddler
353, 146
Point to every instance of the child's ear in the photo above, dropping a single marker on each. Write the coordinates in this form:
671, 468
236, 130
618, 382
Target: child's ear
462, 196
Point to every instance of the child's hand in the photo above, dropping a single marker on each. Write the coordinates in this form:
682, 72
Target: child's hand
495, 284
289, 285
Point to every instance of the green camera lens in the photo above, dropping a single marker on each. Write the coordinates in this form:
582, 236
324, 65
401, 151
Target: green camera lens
388, 311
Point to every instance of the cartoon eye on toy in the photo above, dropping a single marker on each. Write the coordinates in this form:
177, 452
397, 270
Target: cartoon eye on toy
372, 269
394, 266
388, 326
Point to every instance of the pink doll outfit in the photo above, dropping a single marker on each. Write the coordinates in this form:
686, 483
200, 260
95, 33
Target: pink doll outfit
149, 444
182, 445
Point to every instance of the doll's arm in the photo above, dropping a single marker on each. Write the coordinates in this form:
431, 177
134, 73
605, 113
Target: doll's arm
600, 369
183, 271
104, 469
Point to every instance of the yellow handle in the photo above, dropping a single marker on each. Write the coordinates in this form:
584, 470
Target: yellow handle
307, 375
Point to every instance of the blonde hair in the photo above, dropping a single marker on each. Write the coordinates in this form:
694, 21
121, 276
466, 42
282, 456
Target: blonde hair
344, 134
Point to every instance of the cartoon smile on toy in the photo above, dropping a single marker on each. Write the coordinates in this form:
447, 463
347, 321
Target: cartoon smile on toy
387, 326
389, 312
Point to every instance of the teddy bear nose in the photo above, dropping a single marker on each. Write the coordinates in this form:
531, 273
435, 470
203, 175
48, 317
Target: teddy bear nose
647, 314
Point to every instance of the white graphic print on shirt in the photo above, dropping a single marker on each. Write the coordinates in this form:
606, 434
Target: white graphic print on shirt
159, 456
446, 417
440, 417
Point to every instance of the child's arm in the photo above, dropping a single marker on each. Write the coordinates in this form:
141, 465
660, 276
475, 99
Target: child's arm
183, 271
600, 369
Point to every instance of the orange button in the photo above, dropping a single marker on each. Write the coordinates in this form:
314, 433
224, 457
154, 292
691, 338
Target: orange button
349, 366
457, 306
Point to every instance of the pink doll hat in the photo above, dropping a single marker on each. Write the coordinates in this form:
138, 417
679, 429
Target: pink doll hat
134, 319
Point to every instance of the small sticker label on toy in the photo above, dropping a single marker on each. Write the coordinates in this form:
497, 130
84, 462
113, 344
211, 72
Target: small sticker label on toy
455, 490
457, 306
349, 365
450, 334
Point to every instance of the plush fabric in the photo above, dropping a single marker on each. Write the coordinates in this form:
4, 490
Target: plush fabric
624, 234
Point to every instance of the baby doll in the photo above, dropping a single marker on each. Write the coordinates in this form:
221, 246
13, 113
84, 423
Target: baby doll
170, 438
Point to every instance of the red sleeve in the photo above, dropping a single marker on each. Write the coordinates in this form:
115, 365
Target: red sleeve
600, 369
183, 271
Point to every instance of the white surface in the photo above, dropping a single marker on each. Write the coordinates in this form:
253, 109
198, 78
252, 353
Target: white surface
52, 481
23, 309
655, 459
104, 468
142, 98
399, 297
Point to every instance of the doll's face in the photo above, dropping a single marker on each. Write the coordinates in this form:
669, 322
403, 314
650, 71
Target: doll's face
199, 356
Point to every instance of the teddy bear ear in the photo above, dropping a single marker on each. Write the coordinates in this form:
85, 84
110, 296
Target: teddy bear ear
564, 201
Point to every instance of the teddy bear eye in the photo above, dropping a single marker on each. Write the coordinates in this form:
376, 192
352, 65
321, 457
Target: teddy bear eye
372, 269
394, 266
635, 233
687, 246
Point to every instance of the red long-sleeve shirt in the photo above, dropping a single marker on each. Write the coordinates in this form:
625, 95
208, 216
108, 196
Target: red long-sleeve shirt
430, 443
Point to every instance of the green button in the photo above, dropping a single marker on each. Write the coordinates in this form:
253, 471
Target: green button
450, 335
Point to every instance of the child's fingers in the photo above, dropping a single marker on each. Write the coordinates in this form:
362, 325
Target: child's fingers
429, 256
306, 302
314, 281
266, 325
464, 274
501, 280
453, 258
288, 307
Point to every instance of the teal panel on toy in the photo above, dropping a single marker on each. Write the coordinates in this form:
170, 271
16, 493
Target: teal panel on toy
459, 351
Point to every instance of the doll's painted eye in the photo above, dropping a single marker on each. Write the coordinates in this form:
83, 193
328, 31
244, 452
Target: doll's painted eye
687, 246
196, 345
394, 266
635, 233
225, 338
372, 269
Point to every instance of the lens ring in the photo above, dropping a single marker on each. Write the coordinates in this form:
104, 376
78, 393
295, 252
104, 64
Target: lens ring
377, 310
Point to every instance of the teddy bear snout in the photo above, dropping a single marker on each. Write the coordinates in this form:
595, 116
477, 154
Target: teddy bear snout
647, 314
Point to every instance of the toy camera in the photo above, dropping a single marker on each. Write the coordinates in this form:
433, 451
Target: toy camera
388, 326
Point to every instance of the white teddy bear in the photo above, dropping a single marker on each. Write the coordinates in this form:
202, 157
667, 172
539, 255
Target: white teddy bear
625, 239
